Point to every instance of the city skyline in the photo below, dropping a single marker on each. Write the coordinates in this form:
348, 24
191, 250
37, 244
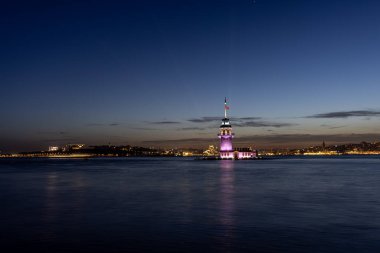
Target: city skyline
155, 74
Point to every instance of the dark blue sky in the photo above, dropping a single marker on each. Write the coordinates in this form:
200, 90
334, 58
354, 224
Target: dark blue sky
155, 73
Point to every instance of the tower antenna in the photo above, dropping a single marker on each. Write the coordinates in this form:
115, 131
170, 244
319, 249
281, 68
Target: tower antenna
225, 108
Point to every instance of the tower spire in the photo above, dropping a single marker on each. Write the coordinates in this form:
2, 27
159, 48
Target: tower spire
225, 108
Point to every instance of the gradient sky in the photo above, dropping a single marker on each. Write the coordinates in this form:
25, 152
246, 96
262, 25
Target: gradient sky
155, 73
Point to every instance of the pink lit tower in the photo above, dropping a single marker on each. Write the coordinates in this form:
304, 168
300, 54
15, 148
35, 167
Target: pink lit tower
226, 135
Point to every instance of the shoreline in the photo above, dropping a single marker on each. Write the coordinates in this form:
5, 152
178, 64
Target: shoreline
198, 158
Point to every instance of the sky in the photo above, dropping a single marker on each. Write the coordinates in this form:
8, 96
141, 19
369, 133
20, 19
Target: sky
155, 73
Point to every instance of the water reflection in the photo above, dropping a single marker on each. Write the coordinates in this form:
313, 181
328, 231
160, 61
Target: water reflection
280, 205
63, 201
51, 198
51, 209
227, 201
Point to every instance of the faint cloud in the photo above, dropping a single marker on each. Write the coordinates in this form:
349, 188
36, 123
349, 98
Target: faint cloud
331, 127
346, 114
183, 141
192, 128
240, 122
263, 124
213, 119
248, 118
143, 128
52, 133
205, 119
102, 124
164, 122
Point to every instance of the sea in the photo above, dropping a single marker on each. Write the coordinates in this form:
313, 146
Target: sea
283, 204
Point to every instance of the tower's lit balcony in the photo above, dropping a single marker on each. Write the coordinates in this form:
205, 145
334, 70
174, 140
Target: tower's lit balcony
232, 135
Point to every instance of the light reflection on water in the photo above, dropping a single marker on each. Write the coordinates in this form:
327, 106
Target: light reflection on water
119, 205
227, 204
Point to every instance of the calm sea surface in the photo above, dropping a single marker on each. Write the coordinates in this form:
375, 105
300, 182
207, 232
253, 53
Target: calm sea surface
171, 205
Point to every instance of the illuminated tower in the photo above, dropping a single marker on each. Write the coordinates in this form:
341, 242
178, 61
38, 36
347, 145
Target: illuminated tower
226, 135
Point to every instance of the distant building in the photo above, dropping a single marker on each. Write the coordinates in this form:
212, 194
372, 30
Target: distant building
211, 151
225, 135
53, 148
244, 153
70, 147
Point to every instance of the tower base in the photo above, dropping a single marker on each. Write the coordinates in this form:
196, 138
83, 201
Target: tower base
237, 155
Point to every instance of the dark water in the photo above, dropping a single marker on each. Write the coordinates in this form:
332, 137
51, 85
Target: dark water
171, 205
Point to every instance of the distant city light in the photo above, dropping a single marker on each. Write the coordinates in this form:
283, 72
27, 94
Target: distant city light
53, 148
